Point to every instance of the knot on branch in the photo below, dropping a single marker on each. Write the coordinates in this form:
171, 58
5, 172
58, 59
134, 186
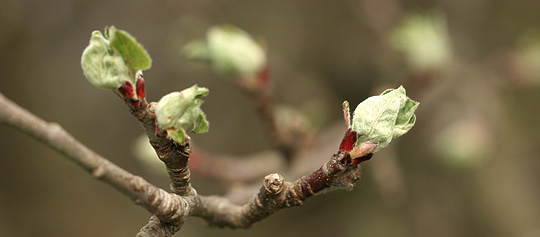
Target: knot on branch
347, 179
273, 183
155, 227
170, 208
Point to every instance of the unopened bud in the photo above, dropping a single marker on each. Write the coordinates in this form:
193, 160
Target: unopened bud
234, 52
424, 41
379, 119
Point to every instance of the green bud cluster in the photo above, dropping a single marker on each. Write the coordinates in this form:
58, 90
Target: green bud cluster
231, 51
110, 61
177, 111
379, 119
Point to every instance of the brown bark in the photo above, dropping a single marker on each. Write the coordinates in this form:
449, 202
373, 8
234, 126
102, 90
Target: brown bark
170, 210
276, 194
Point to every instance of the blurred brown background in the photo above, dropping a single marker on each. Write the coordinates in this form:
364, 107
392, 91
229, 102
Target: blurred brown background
469, 167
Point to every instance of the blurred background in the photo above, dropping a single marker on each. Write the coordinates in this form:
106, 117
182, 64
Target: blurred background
469, 167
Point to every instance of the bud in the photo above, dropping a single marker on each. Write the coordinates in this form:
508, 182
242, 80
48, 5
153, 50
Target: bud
466, 143
234, 52
177, 111
102, 65
424, 41
114, 62
526, 59
379, 119
231, 51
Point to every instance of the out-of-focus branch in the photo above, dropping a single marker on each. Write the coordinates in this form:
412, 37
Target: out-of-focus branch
236, 169
266, 110
157, 201
239, 172
388, 177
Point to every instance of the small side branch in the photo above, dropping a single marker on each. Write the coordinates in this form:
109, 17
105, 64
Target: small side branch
266, 110
276, 194
157, 226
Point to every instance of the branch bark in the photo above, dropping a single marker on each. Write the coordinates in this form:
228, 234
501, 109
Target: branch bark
276, 194
175, 156
157, 201
170, 210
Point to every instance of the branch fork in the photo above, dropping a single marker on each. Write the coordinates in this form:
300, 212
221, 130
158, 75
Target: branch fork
170, 210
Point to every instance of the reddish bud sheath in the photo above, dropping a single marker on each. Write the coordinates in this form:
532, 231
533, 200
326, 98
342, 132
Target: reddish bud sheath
361, 159
160, 132
139, 86
196, 160
126, 90
348, 141
263, 76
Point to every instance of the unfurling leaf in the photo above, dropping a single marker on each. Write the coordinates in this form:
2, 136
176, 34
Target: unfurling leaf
135, 56
109, 63
103, 66
234, 51
424, 41
177, 111
201, 124
231, 51
379, 119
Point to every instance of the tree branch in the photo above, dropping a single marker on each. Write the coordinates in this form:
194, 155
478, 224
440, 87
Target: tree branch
266, 110
238, 169
174, 155
157, 201
155, 227
276, 194
171, 210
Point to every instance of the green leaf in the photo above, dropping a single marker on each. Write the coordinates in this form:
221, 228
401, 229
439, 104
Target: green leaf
424, 41
103, 66
135, 56
177, 135
201, 125
196, 50
407, 111
179, 110
234, 52
109, 63
406, 118
381, 118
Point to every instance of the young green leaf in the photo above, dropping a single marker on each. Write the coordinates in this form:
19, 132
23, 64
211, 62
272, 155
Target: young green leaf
177, 111
201, 124
234, 52
379, 119
111, 62
424, 41
231, 51
177, 135
135, 56
103, 66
